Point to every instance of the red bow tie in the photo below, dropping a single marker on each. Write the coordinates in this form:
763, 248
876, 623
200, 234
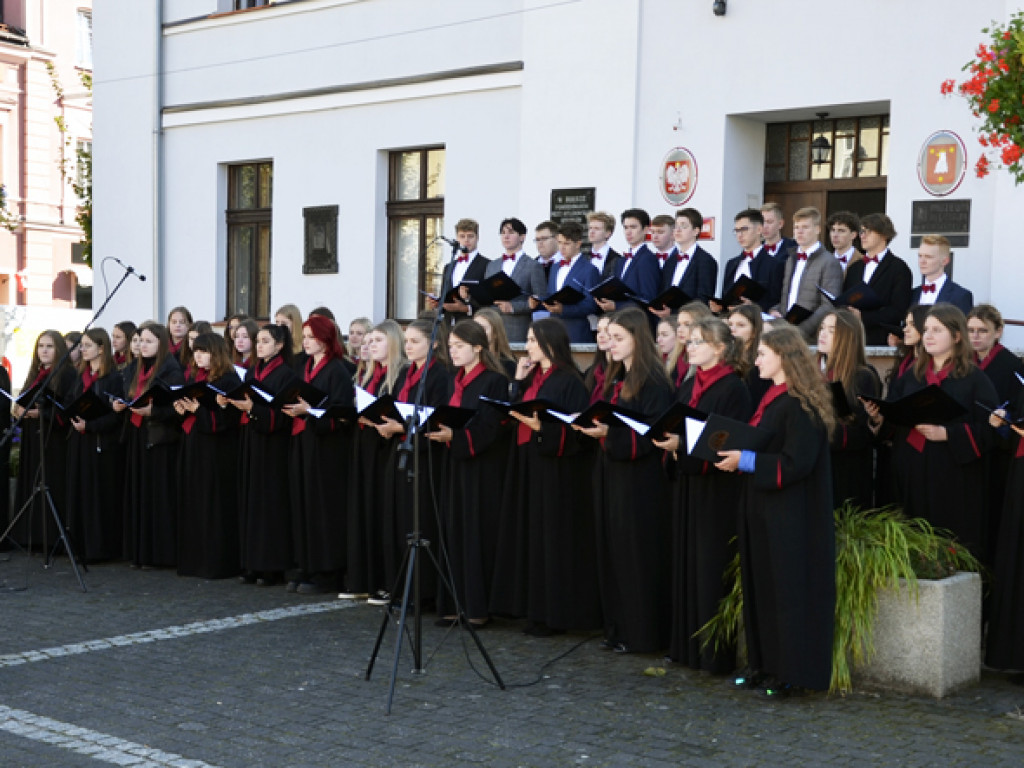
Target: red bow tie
595, 255
506, 257
662, 256
844, 259
871, 258
801, 257
748, 254
627, 255
772, 249
683, 257
928, 288
565, 263
463, 258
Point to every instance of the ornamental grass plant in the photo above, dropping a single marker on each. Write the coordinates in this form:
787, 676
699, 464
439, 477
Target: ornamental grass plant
876, 549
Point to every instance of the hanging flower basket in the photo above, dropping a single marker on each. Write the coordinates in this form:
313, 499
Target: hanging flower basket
995, 94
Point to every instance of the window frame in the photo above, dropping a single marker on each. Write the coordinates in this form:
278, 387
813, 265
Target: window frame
260, 220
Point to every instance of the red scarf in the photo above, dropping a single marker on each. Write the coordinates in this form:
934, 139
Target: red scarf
144, 377
174, 349
463, 380
905, 364
88, 378
311, 372
120, 358
260, 372
705, 380
774, 391
682, 367
915, 439
379, 372
616, 391
599, 374
190, 420
523, 432
412, 379
983, 364
43, 370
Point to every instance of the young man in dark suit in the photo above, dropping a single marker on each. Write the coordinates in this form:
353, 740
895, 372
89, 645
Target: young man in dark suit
662, 242
754, 262
577, 272
842, 228
936, 286
469, 264
885, 273
690, 268
525, 271
600, 227
778, 247
638, 268
809, 267
545, 238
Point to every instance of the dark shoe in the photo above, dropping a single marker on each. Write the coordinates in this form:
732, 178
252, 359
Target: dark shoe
447, 621
621, 648
380, 597
747, 679
293, 586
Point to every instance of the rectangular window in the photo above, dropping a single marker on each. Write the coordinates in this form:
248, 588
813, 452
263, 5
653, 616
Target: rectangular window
415, 212
83, 166
859, 148
83, 40
241, 5
248, 218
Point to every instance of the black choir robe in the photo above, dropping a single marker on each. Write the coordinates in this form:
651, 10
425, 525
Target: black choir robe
946, 483
208, 519
547, 550
633, 529
321, 457
401, 487
55, 449
151, 489
1004, 647
95, 477
264, 490
787, 550
704, 523
852, 445
477, 458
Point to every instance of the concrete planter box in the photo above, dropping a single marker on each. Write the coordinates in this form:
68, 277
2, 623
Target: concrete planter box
931, 645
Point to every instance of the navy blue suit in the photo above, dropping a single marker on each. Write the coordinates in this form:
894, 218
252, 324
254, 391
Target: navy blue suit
583, 276
951, 293
701, 276
765, 270
643, 277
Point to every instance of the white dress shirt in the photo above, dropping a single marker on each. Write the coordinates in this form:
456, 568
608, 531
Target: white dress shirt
932, 296
798, 272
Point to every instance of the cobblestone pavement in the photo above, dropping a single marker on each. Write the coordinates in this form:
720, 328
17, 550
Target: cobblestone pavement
150, 669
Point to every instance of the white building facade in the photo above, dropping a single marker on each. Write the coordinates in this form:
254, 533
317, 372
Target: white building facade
308, 151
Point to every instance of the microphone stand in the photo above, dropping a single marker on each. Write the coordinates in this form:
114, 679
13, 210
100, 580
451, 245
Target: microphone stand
409, 570
41, 488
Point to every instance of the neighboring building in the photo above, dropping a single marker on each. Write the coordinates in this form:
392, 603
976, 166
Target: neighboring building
251, 154
41, 262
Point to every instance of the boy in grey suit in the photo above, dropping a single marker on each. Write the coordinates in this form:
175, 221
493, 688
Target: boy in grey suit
807, 268
527, 273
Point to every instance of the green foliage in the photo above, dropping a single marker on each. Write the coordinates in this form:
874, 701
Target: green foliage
875, 550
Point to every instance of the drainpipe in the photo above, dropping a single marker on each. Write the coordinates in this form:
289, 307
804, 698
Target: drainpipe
158, 160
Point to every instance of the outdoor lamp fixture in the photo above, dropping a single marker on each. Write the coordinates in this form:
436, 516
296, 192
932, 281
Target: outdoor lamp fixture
820, 148
718, 7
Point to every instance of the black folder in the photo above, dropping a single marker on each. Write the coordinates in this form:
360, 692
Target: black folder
860, 296
497, 287
291, 393
383, 406
672, 298
743, 288
601, 412
930, 405
197, 390
565, 295
721, 433
797, 314
673, 420
87, 406
254, 393
450, 416
613, 289
539, 407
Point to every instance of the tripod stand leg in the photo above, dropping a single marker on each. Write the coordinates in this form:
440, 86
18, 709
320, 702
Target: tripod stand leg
386, 618
63, 537
410, 569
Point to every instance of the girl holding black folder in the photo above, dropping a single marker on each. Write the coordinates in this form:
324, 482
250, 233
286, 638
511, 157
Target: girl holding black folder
596, 374
264, 490
841, 356
95, 484
786, 527
633, 520
49, 349
151, 488
704, 500
477, 460
397, 514
547, 569
320, 459
368, 503
941, 469
208, 544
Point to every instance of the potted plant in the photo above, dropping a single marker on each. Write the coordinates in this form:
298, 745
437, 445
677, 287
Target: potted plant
883, 560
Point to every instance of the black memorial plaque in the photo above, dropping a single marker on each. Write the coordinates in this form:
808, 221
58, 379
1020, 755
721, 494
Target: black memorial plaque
951, 218
572, 204
321, 241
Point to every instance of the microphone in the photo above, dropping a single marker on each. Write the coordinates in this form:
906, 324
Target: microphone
130, 270
452, 243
